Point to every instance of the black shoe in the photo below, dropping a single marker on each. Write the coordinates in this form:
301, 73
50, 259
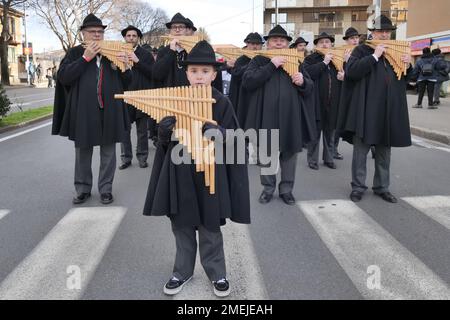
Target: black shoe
436, 103
174, 286
81, 198
265, 197
143, 164
330, 165
313, 166
338, 156
125, 165
288, 198
388, 197
221, 288
417, 106
433, 107
356, 196
106, 198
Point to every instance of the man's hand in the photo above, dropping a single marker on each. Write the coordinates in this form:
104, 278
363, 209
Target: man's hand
347, 55
341, 75
133, 57
379, 51
298, 79
406, 59
327, 59
91, 50
231, 63
123, 57
174, 44
278, 61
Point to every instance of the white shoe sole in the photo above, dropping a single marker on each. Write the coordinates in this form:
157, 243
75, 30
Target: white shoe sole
222, 294
172, 292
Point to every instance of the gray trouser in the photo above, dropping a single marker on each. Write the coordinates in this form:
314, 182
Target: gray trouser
210, 245
337, 138
359, 167
288, 166
437, 91
328, 147
142, 143
83, 169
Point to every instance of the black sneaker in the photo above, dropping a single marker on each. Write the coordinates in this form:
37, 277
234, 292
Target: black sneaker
174, 286
106, 198
221, 288
81, 198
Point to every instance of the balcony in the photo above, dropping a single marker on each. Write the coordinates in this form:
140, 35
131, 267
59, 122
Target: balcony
270, 4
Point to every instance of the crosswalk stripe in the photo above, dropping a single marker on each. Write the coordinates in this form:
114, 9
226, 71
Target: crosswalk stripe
3, 213
435, 207
62, 264
243, 270
362, 248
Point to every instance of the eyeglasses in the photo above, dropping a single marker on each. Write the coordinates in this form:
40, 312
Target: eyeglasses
95, 31
178, 27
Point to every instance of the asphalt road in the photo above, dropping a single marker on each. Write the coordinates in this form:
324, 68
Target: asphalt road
324, 248
25, 98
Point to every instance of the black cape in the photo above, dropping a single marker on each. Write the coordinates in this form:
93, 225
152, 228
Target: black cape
327, 90
373, 102
276, 103
142, 79
180, 193
77, 114
237, 72
167, 72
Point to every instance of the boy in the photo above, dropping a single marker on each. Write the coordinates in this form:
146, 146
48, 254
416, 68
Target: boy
180, 193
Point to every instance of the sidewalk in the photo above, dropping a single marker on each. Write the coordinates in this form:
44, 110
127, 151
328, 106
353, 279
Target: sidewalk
430, 124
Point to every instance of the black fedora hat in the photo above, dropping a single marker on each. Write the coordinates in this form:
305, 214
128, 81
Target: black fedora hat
278, 31
298, 41
324, 35
351, 32
190, 24
254, 37
177, 18
130, 28
382, 23
92, 21
202, 53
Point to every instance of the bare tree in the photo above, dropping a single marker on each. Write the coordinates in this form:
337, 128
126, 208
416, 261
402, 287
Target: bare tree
6, 36
64, 17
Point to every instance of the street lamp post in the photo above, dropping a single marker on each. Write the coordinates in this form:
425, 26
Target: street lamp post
27, 53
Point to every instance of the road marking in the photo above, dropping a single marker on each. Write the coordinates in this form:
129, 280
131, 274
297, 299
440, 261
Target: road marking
79, 240
424, 144
435, 207
243, 270
3, 213
30, 95
19, 104
26, 131
359, 243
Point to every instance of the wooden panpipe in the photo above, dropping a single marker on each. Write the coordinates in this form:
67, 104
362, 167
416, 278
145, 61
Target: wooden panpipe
294, 58
192, 107
229, 53
395, 50
186, 42
110, 49
338, 53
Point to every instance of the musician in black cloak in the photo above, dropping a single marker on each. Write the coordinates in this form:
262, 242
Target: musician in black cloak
142, 76
280, 102
179, 192
253, 41
327, 89
374, 111
300, 44
85, 109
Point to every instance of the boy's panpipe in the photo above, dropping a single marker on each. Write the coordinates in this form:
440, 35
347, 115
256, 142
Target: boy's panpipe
192, 107
186, 42
395, 50
110, 49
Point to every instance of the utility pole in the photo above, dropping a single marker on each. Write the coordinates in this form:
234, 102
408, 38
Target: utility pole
253, 15
276, 12
377, 4
27, 52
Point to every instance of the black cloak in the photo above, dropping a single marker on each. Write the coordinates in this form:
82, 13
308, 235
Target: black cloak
373, 102
276, 103
237, 72
180, 193
167, 72
327, 90
77, 112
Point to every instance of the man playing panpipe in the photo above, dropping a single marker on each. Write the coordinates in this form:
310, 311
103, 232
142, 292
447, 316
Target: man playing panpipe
178, 191
142, 77
300, 44
85, 109
327, 89
279, 102
376, 112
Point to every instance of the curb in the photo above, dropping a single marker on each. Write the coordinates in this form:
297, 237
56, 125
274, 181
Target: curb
25, 124
437, 136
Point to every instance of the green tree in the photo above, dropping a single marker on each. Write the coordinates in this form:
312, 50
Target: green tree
5, 104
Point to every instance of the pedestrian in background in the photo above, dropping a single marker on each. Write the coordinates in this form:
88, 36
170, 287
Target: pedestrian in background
425, 71
442, 71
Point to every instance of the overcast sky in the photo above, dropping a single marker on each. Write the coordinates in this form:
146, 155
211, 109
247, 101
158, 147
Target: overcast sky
226, 21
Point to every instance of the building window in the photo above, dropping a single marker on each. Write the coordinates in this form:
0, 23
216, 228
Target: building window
310, 17
12, 55
282, 18
360, 15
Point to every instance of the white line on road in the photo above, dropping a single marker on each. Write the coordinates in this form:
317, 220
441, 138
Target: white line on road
19, 104
435, 207
243, 270
30, 95
26, 131
3, 213
62, 264
361, 246
422, 143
